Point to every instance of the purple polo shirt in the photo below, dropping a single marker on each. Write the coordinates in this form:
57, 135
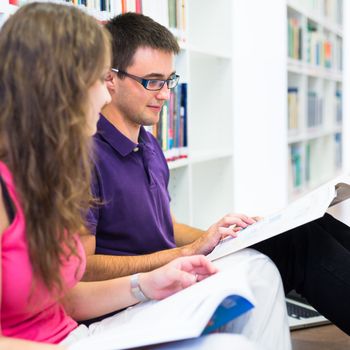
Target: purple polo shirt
131, 180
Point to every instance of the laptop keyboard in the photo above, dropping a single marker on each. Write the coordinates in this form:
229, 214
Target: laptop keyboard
299, 312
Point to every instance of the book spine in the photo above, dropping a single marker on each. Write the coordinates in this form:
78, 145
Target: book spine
170, 129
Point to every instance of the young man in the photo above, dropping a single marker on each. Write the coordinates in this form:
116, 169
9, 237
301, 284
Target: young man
133, 229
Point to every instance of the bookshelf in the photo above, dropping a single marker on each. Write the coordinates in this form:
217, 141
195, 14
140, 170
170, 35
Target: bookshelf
249, 97
315, 92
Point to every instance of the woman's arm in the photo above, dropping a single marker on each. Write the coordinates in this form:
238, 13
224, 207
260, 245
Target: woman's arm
92, 299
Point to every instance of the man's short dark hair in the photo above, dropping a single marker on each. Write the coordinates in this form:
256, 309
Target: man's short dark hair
131, 31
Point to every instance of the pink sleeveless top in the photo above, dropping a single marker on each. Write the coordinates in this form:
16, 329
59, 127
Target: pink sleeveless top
30, 313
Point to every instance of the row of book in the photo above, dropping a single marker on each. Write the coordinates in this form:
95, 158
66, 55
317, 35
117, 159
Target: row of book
171, 130
333, 9
330, 9
315, 115
314, 110
322, 51
170, 13
304, 156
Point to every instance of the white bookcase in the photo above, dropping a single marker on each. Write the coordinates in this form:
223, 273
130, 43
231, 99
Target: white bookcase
242, 53
316, 77
234, 59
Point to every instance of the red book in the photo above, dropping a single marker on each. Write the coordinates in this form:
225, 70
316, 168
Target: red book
138, 6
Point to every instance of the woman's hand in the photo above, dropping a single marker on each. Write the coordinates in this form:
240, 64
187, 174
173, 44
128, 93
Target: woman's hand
175, 276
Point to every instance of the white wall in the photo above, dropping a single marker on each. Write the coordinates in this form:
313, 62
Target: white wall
260, 105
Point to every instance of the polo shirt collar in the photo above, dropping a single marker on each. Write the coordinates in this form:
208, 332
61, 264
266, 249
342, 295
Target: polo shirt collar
117, 140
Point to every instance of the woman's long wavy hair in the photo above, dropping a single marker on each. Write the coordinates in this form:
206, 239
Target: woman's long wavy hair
50, 55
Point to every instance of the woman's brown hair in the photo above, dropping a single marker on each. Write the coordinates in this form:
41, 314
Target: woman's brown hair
50, 55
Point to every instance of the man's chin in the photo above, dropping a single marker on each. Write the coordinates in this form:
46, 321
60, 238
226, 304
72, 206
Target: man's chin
150, 121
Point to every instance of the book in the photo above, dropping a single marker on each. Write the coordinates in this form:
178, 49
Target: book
303, 210
200, 309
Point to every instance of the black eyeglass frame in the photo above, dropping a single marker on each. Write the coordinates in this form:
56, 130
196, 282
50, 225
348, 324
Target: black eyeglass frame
171, 83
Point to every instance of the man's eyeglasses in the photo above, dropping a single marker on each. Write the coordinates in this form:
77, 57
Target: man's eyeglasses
152, 84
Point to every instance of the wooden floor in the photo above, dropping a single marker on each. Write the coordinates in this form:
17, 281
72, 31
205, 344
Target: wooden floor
325, 337
320, 338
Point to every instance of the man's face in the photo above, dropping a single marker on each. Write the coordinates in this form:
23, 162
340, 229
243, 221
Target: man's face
136, 104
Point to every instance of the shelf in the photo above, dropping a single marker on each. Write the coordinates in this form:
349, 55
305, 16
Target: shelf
312, 134
179, 163
300, 191
200, 157
299, 67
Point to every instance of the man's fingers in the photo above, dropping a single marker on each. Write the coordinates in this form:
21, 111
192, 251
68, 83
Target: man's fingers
227, 231
236, 219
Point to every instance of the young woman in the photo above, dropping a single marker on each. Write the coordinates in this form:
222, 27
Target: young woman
54, 60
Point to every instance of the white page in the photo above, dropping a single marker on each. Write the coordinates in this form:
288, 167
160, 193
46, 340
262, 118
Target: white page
181, 316
310, 207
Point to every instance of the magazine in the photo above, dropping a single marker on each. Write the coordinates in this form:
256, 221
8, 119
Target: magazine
200, 309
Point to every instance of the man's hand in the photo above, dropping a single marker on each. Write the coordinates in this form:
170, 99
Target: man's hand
175, 276
229, 225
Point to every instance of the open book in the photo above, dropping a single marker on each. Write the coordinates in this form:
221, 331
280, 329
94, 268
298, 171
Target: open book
199, 309
305, 209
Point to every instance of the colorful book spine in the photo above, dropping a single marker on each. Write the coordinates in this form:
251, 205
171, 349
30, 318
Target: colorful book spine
320, 50
293, 108
171, 130
294, 39
338, 107
296, 165
338, 150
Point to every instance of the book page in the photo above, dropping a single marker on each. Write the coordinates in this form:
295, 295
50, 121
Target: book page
310, 207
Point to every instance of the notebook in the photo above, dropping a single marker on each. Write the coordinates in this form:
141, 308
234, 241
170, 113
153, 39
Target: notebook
301, 314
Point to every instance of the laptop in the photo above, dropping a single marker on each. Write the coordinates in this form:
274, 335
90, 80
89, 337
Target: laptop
301, 314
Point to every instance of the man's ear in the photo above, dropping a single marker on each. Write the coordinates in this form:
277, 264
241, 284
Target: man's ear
110, 82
